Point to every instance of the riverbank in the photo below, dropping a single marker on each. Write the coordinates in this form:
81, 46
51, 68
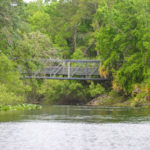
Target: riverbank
115, 100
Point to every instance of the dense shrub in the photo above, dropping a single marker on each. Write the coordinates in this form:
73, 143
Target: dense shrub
69, 92
66, 92
131, 72
12, 89
96, 90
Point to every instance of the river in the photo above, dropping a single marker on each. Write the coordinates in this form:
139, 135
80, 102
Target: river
76, 128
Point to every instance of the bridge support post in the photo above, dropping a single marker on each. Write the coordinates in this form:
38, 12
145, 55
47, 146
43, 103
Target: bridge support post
63, 69
86, 70
69, 69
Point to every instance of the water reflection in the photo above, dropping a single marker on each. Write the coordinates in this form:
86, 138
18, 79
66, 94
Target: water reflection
82, 114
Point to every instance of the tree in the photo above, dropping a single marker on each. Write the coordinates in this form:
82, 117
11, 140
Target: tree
11, 21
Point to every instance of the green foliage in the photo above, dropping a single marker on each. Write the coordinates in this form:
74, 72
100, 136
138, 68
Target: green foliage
96, 90
67, 92
117, 32
10, 26
12, 89
130, 73
20, 107
121, 29
31, 49
78, 54
8, 97
121, 41
141, 93
10, 76
68, 23
40, 21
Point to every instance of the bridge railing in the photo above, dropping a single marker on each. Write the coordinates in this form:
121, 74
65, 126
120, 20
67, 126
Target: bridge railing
68, 69
71, 68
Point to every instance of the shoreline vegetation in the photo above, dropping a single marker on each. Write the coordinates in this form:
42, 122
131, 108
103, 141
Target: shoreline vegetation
115, 100
19, 107
115, 32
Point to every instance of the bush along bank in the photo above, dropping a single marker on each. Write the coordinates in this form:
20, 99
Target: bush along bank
113, 99
12, 88
19, 107
69, 92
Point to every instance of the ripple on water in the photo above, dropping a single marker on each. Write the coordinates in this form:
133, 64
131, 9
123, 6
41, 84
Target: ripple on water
70, 136
76, 128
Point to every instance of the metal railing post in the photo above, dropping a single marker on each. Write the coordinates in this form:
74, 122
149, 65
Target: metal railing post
68, 69
63, 68
86, 70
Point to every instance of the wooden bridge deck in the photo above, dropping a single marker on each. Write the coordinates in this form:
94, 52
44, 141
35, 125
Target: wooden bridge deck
67, 70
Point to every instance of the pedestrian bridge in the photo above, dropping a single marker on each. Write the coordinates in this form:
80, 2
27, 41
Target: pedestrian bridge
67, 70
